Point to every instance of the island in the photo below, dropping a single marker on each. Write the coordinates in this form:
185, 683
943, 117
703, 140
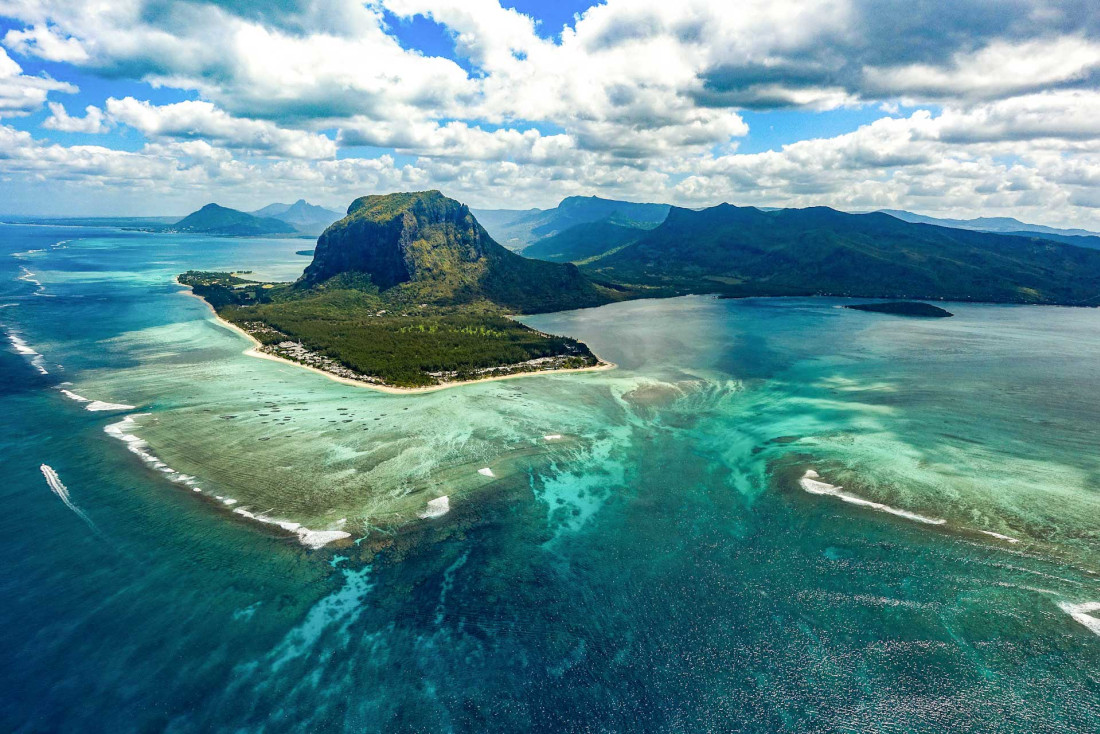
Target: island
903, 308
409, 292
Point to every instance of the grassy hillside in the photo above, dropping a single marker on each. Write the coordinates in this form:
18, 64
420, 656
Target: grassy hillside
583, 243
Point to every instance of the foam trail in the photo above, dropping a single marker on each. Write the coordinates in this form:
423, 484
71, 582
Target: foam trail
1080, 614
810, 483
63, 493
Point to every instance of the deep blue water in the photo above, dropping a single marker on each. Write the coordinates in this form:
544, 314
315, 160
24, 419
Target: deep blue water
661, 571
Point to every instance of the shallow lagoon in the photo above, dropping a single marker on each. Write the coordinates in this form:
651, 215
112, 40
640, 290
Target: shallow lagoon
656, 567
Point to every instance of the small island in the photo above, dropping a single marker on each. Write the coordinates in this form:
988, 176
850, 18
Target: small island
904, 308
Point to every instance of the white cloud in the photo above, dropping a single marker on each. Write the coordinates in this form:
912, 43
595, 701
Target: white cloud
46, 43
92, 122
21, 94
202, 120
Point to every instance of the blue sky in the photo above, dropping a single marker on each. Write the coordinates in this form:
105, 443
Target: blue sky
159, 106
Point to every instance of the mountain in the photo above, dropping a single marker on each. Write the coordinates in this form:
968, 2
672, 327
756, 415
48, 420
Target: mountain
821, 251
214, 219
307, 218
519, 228
423, 246
1005, 225
583, 242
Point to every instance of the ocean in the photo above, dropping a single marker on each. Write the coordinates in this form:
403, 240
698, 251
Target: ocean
775, 515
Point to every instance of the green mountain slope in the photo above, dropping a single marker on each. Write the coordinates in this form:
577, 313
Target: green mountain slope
214, 219
426, 247
746, 251
518, 229
582, 242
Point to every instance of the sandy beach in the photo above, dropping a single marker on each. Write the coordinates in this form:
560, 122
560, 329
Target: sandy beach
254, 351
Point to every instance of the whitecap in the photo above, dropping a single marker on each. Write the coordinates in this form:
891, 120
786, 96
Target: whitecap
438, 507
1007, 538
551, 437
1081, 614
810, 483
21, 347
310, 538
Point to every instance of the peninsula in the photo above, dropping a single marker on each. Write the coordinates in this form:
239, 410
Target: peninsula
408, 291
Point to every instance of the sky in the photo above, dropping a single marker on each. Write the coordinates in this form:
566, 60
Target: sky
154, 107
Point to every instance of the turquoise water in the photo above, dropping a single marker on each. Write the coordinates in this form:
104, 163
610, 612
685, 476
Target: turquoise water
644, 556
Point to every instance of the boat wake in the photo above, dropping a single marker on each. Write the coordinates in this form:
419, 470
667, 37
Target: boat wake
62, 492
811, 482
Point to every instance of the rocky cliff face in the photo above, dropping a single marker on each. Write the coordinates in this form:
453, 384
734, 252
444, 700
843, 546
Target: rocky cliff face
433, 247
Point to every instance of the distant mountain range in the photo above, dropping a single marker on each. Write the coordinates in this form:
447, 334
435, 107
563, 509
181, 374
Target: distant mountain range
220, 220
516, 229
1003, 225
822, 251
307, 218
300, 217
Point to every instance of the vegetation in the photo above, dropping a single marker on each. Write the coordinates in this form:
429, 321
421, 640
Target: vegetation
348, 321
584, 243
409, 290
517, 229
214, 219
422, 247
743, 251
903, 308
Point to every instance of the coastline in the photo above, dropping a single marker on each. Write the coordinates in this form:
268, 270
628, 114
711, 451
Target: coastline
254, 351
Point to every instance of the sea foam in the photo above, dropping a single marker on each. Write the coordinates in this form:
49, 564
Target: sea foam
21, 347
438, 507
1081, 614
811, 483
94, 405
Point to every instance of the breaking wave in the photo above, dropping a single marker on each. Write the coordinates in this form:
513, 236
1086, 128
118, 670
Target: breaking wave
811, 482
124, 429
94, 405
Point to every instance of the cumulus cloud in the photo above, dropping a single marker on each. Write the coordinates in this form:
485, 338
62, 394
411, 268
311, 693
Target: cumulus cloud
21, 94
92, 122
644, 99
202, 120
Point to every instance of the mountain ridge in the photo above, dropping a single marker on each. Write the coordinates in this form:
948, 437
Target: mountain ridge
221, 220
